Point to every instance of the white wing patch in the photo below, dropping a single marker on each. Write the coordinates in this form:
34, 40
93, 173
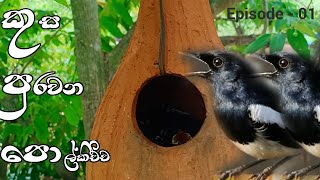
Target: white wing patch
265, 114
317, 112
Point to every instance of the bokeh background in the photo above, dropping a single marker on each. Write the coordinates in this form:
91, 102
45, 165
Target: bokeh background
55, 120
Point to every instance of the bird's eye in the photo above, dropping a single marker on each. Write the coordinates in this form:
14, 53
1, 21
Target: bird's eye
217, 62
284, 63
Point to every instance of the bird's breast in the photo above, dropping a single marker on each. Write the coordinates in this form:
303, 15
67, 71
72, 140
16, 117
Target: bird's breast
313, 149
263, 148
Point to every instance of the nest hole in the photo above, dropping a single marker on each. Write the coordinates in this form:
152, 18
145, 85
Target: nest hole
170, 110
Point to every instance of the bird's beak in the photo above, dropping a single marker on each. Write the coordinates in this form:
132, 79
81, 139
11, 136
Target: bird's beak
198, 66
261, 67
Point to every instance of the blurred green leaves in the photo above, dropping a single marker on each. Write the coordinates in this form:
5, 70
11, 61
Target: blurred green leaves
116, 18
41, 129
45, 121
298, 42
300, 34
112, 26
63, 2
257, 44
277, 42
305, 28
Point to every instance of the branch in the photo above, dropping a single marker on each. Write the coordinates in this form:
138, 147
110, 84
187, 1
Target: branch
266, 21
44, 44
309, 5
238, 40
113, 59
219, 5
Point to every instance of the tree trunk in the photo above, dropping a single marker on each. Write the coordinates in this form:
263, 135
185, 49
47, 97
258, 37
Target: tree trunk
90, 64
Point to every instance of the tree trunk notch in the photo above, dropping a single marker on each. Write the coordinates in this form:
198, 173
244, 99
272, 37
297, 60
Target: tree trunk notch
189, 26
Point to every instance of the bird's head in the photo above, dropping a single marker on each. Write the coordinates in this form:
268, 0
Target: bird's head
218, 66
290, 68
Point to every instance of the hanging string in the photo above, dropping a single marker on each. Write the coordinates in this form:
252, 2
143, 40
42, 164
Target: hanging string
161, 60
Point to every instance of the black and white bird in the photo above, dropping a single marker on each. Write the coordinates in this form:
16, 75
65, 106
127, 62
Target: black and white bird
298, 82
245, 110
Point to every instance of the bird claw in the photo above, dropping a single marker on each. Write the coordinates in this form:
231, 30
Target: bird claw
230, 173
297, 174
264, 174
253, 176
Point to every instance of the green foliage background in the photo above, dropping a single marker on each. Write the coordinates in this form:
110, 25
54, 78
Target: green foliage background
55, 120
301, 34
52, 120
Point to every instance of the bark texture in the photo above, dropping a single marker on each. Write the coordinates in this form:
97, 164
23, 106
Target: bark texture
90, 63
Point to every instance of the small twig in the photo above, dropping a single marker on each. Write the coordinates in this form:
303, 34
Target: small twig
14, 68
74, 74
44, 44
309, 5
223, 19
266, 22
236, 28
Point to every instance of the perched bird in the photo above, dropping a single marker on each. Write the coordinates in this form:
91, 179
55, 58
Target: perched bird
245, 110
298, 82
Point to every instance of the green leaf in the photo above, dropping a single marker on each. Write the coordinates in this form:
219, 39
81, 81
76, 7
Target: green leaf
111, 26
5, 42
71, 117
63, 2
277, 42
257, 44
305, 29
56, 41
298, 42
41, 129
123, 13
27, 131
135, 2
105, 44
76, 103
291, 20
3, 57
11, 129
279, 23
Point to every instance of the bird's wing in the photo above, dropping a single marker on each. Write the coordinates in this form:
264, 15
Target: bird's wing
265, 115
316, 111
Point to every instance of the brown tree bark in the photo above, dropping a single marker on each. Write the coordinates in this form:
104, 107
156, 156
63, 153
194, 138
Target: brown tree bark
90, 64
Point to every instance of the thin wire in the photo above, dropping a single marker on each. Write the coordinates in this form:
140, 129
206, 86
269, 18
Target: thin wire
161, 60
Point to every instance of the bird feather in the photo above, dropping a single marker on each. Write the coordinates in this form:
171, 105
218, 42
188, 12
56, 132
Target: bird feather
265, 114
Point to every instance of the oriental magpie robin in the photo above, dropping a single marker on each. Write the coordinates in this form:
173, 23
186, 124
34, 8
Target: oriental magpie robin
245, 109
298, 83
